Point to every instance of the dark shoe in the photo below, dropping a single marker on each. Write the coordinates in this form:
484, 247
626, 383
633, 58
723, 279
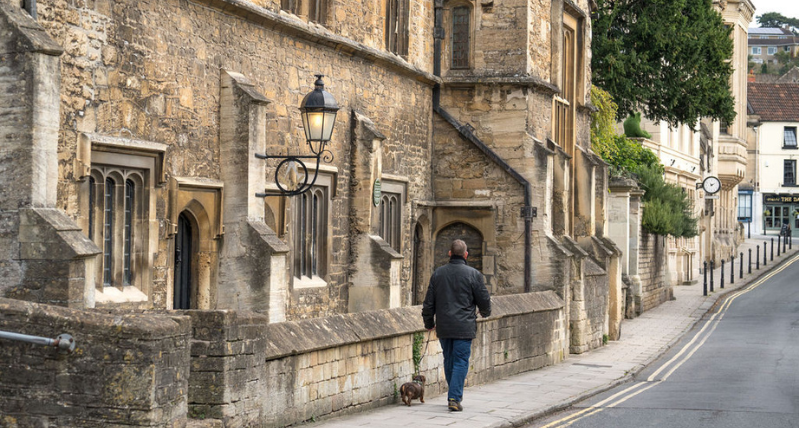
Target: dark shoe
454, 405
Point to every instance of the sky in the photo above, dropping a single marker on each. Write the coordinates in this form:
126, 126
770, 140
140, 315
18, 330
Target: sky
788, 8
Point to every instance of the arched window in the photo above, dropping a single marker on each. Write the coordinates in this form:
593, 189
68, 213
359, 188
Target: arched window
114, 209
108, 231
92, 206
461, 17
390, 219
310, 233
127, 232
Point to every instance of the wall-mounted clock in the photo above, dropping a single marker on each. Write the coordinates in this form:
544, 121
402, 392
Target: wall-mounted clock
711, 185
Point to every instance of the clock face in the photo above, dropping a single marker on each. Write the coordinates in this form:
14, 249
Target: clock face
711, 185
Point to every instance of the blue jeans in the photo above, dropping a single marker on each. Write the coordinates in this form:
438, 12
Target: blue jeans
456, 365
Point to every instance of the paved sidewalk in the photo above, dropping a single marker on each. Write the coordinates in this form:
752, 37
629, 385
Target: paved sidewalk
522, 398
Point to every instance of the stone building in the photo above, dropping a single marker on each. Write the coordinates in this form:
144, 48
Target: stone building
770, 200
129, 207
130, 131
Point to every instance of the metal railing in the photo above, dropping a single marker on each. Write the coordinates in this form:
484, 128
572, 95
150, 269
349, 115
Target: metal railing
64, 342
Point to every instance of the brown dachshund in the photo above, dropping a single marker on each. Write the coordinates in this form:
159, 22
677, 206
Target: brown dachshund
413, 390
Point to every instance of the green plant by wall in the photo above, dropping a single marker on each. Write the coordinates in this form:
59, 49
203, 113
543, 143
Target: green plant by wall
418, 342
632, 127
667, 209
624, 156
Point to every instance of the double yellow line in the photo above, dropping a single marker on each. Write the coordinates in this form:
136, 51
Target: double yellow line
675, 362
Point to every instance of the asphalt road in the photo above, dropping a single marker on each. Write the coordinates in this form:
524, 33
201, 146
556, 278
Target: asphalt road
739, 367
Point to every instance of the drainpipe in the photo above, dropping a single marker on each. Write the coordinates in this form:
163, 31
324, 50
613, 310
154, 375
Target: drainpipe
30, 6
466, 131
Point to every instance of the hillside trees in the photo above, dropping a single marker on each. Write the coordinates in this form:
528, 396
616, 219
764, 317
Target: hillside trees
778, 20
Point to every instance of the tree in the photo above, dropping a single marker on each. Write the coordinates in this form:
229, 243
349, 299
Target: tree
667, 208
786, 61
623, 155
778, 20
668, 59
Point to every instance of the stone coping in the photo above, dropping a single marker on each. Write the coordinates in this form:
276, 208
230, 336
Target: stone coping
299, 337
50, 321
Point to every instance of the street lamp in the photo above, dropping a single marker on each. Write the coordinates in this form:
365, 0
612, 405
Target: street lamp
318, 110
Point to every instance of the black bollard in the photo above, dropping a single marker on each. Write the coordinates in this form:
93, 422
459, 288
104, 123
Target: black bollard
741, 264
790, 243
721, 283
778, 245
704, 288
750, 262
765, 260
757, 258
712, 268
784, 243
732, 269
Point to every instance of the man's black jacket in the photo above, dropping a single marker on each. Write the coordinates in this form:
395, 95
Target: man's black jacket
455, 289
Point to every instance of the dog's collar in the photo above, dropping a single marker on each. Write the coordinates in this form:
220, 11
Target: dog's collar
417, 382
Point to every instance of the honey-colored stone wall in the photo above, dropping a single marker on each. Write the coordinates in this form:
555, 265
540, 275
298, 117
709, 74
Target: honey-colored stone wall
151, 70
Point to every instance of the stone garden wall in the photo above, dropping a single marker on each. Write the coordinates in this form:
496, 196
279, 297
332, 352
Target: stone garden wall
234, 369
126, 370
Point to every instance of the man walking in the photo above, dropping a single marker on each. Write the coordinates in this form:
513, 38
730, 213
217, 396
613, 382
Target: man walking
454, 292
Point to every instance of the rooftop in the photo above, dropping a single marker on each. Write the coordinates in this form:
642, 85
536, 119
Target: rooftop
774, 102
762, 31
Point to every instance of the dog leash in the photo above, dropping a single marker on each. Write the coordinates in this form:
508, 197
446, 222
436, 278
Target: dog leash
429, 333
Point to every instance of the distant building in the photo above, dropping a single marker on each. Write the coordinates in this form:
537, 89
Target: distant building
764, 43
770, 199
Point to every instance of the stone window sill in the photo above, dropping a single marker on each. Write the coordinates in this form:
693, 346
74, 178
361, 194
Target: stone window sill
305, 282
114, 295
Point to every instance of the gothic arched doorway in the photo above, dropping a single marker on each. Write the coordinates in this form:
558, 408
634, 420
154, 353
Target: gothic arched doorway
471, 236
183, 264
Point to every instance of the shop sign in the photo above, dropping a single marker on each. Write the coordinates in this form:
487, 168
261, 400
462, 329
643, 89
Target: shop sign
780, 198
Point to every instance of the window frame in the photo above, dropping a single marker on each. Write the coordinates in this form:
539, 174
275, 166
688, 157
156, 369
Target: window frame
397, 17
467, 44
745, 200
312, 211
121, 231
312, 10
789, 172
393, 188
772, 50
785, 138
756, 50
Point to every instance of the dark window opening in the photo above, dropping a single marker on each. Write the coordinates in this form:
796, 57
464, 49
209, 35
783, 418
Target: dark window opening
108, 230
460, 37
397, 18
127, 232
790, 137
789, 173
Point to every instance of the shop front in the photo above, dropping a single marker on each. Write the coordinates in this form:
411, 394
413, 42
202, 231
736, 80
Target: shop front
780, 211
